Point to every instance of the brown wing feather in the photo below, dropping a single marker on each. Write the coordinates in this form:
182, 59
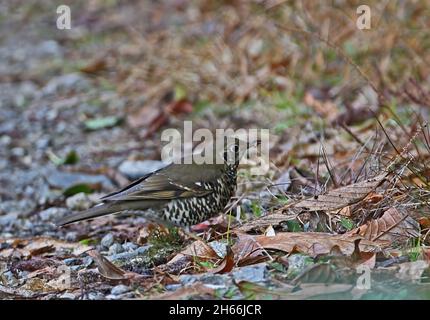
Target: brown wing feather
167, 183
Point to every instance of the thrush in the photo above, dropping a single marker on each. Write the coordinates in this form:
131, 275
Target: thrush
176, 195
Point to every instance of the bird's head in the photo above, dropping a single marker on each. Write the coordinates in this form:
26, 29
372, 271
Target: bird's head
235, 149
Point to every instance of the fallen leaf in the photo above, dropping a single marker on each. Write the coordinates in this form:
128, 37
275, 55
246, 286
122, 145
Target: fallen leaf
102, 123
360, 257
316, 273
345, 211
37, 285
373, 198
265, 221
153, 117
393, 226
40, 249
424, 222
197, 249
340, 197
311, 243
354, 115
322, 105
226, 264
44, 271
43, 245
82, 187
357, 258
20, 292
252, 259
179, 107
94, 66
33, 264
106, 268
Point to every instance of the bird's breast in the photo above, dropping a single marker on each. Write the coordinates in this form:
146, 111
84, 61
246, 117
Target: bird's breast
193, 210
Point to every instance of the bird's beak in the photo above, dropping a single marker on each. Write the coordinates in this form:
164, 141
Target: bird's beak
252, 145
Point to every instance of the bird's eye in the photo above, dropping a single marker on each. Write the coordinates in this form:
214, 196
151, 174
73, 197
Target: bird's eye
234, 148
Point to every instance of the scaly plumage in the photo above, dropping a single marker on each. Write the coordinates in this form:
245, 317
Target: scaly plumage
179, 194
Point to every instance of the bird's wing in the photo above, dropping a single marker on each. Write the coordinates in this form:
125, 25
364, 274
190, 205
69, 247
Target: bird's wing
168, 183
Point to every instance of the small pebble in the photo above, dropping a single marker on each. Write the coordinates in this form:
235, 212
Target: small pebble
253, 273
219, 247
137, 169
72, 261
115, 249
52, 213
9, 278
130, 246
71, 236
173, 287
95, 296
107, 241
119, 289
79, 201
129, 255
67, 296
87, 261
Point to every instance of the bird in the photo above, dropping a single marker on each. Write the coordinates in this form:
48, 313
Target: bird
178, 195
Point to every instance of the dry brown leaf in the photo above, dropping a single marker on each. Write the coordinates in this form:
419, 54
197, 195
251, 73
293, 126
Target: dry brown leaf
153, 117
426, 254
316, 273
19, 292
340, 197
264, 222
345, 211
392, 226
359, 257
179, 107
424, 222
252, 259
226, 264
106, 268
41, 245
37, 285
356, 259
45, 271
95, 66
197, 249
324, 107
374, 198
311, 243
354, 115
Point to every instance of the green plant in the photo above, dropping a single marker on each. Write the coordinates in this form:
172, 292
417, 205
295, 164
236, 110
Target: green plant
348, 224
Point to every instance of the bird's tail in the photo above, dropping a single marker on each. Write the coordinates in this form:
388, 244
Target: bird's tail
97, 211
